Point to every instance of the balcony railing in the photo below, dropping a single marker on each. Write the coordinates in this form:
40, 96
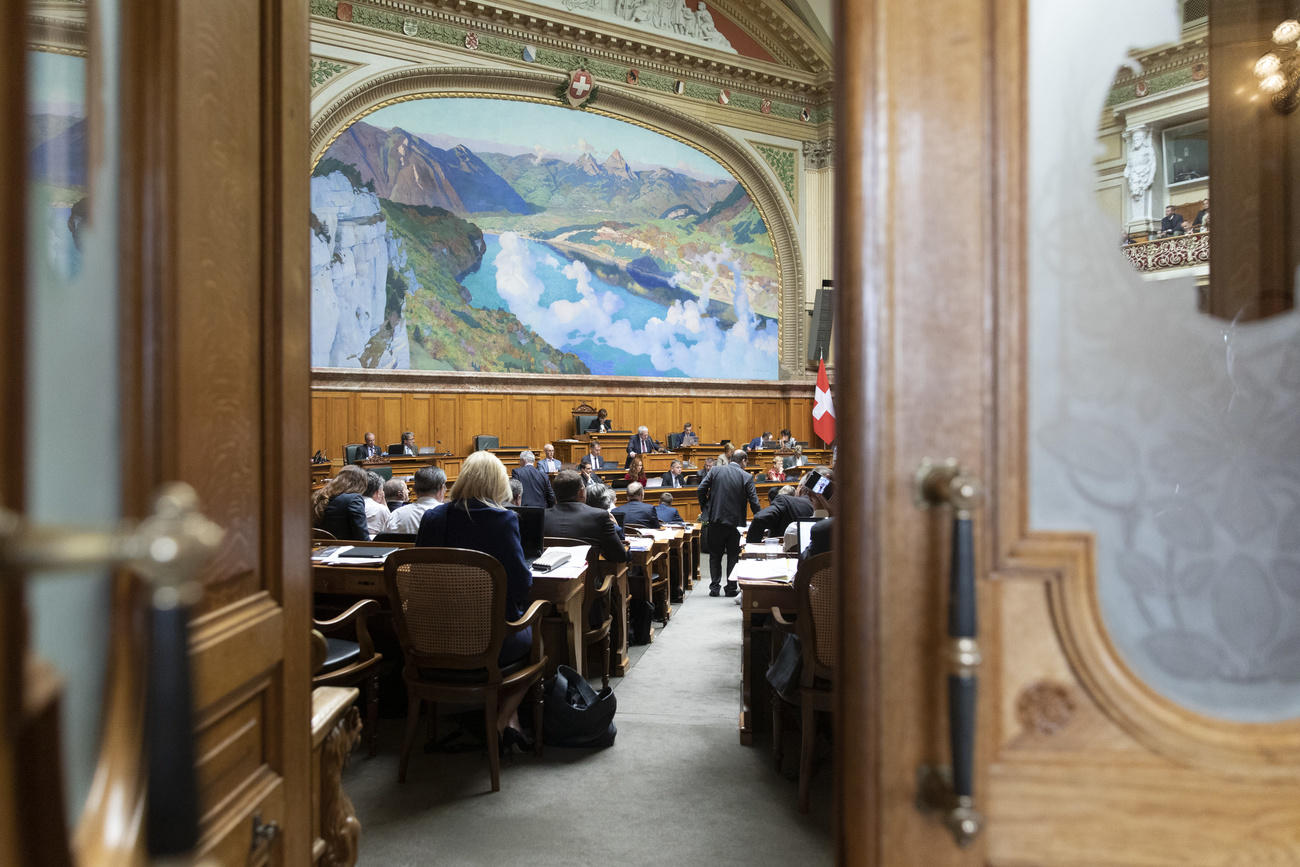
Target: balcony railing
1178, 251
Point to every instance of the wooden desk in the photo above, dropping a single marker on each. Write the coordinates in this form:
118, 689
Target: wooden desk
758, 598
619, 661
646, 560
565, 629
677, 559
657, 465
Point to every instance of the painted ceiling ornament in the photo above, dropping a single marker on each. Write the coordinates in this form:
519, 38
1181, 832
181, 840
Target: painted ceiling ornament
805, 115
471, 41
410, 27
679, 87
530, 53
580, 89
1142, 88
343, 12
765, 106
633, 77
724, 97
1200, 72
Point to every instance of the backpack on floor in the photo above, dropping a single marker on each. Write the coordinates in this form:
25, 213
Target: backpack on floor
574, 714
640, 613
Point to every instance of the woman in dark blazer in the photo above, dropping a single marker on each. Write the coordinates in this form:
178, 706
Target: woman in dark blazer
339, 508
601, 423
475, 517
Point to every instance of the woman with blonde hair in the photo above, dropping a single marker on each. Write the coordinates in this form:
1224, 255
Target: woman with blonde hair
340, 508
475, 517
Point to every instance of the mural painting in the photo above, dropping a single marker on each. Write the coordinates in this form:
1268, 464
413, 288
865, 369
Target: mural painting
496, 235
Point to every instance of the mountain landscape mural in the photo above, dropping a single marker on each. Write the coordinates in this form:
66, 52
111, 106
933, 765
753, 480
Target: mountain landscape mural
481, 234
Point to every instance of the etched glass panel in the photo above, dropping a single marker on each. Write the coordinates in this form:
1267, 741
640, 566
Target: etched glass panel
1171, 434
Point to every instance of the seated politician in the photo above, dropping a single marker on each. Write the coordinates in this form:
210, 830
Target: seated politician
674, 478
689, 436
406, 447
636, 472
758, 441
635, 511
369, 450
667, 514
593, 460
601, 423
574, 519
339, 508
783, 512
475, 517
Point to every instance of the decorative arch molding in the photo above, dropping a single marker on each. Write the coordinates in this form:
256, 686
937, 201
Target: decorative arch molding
415, 82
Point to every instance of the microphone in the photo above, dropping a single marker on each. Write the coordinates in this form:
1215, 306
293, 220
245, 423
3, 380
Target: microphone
438, 444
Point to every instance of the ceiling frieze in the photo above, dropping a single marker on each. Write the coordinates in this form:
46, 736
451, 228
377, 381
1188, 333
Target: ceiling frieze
610, 52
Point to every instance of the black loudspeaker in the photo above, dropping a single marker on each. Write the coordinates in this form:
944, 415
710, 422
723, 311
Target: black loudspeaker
486, 441
819, 333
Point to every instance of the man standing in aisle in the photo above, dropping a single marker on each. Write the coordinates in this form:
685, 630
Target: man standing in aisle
537, 486
723, 494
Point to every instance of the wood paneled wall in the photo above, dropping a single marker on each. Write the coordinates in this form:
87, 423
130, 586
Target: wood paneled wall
527, 416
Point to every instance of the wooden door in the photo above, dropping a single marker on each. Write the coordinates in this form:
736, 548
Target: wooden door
208, 106
1080, 756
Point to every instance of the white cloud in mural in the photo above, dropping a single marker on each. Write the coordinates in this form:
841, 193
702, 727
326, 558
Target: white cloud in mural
585, 146
742, 351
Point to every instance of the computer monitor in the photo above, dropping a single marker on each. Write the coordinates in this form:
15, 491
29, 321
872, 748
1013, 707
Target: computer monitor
531, 534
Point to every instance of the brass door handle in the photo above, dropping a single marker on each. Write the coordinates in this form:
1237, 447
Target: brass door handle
953, 792
167, 549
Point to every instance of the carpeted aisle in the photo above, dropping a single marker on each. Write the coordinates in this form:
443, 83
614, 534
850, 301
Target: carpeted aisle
676, 789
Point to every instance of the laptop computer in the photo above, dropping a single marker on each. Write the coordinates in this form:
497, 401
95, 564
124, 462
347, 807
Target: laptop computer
805, 534
428, 450
531, 534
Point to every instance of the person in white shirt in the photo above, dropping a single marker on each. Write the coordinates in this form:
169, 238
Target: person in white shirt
430, 489
548, 464
376, 508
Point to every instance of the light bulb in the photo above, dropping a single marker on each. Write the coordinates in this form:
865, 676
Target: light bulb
1273, 83
1267, 65
1287, 31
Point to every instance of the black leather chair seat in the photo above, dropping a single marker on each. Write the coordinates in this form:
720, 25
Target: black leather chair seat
340, 653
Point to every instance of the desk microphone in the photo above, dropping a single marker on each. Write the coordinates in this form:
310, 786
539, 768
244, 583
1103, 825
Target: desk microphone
438, 444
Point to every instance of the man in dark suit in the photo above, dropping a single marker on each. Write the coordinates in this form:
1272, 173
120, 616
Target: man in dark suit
593, 459
757, 442
572, 518
370, 450
689, 436
635, 510
723, 494
1171, 223
674, 478
784, 511
406, 446
537, 487
640, 444
667, 514
820, 536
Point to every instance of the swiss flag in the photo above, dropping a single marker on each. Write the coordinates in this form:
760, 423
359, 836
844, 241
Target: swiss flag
823, 410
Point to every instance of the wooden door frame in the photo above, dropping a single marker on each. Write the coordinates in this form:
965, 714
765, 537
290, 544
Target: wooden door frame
928, 223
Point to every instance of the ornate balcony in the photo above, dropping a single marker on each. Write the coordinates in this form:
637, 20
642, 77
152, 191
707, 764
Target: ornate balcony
1178, 251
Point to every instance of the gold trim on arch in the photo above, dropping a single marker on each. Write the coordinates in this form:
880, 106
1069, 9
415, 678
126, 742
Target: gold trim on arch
407, 85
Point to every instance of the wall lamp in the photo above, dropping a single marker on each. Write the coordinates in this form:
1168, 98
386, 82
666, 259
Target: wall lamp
1278, 71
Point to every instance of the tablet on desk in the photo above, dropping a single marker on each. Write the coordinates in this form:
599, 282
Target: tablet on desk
368, 553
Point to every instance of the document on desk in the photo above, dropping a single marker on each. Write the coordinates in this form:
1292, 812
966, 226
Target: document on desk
779, 570
351, 555
640, 543
571, 568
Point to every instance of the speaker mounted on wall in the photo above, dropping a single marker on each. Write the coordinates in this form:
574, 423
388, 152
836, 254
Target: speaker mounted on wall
819, 332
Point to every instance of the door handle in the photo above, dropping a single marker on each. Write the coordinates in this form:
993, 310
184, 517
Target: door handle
952, 792
167, 549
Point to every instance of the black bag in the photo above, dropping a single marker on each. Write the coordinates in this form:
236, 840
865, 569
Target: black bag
639, 617
783, 673
574, 714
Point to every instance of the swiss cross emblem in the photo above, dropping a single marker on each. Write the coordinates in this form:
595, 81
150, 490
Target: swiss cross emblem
581, 85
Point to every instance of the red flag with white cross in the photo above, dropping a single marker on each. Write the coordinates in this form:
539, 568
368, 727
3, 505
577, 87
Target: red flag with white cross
823, 412
581, 85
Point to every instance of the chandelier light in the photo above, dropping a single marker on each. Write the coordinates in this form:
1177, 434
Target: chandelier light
1278, 71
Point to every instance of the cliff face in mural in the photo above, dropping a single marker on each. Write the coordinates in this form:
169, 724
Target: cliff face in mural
475, 234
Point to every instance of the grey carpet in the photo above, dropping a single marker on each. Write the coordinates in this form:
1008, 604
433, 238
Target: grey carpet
677, 788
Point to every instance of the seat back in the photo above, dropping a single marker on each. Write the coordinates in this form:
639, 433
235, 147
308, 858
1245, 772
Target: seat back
354, 453
581, 422
674, 441
394, 537
484, 442
814, 584
317, 534
449, 607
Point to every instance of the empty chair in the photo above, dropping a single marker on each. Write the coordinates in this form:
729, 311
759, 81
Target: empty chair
449, 608
350, 661
319, 535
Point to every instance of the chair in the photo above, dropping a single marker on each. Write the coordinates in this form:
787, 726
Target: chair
319, 535
342, 662
595, 603
449, 609
582, 422
354, 453
484, 442
674, 441
814, 586
394, 537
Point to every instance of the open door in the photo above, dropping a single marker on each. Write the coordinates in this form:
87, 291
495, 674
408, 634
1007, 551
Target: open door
154, 329
1135, 663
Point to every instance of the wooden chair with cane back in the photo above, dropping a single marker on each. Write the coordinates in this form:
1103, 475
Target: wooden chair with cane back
449, 608
815, 589
597, 613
